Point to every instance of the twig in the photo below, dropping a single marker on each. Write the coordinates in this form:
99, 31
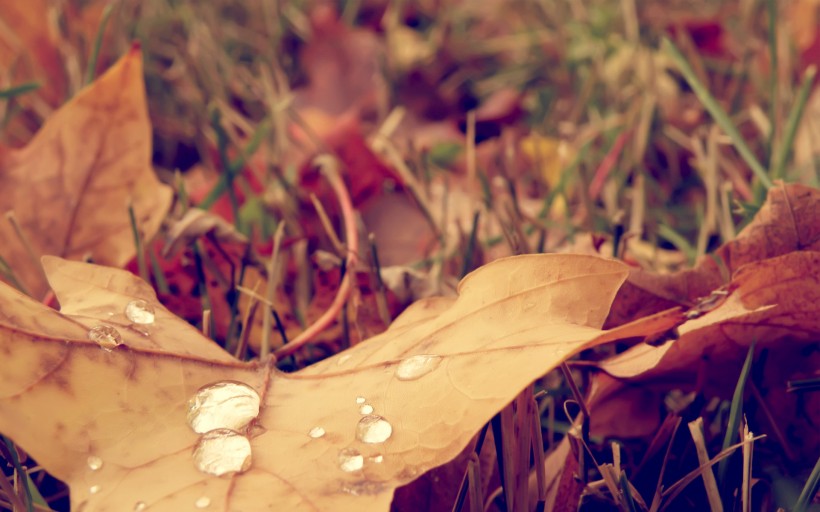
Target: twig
328, 166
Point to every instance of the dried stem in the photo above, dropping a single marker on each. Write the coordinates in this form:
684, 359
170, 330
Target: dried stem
351, 238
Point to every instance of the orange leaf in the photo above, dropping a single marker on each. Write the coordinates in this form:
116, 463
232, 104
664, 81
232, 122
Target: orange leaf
70, 186
113, 423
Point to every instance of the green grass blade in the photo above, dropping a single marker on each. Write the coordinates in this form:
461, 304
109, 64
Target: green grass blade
12, 450
90, 72
735, 414
795, 115
629, 501
809, 490
236, 166
717, 112
17, 90
771, 11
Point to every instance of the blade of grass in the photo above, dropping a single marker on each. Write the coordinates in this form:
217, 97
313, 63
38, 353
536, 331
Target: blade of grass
629, 501
233, 168
712, 493
792, 123
135, 232
270, 290
95, 51
809, 490
746, 495
675, 489
10, 492
735, 414
716, 111
17, 90
771, 10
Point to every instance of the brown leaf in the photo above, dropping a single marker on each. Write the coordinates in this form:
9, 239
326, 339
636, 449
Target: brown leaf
64, 399
71, 184
776, 304
788, 221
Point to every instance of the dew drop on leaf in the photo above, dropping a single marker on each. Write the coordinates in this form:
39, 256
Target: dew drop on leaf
415, 367
105, 336
360, 399
366, 409
343, 359
221, 452
94, 489
140, 312
373, 429
140, 506
203, 502
350, 460
316, 432
378, 459
94, 463
222, 405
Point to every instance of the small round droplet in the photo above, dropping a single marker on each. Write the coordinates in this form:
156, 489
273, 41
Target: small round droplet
350, 460
140, 506
373, 429
221, 452
415, 367
105, 336
203, 502
360, 399
227, 404
94, 463
366, 409
316, 432
94, 489
378, 459
343, 359
140, 312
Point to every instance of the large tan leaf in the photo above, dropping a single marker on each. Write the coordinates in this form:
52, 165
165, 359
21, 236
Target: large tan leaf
70, 186
64, 399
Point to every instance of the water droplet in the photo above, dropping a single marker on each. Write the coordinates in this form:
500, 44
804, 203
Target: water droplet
230, 405
94, 489
363, 488
350, 460
316, 432
378, 459
366, 409
94, 463
343, 359
105, 336
222, 451
373, 429
140, 506
140, 312
415, 367
360, 399
203, 502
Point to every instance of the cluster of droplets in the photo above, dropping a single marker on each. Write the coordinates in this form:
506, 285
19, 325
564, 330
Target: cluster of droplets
221, 412
139, 312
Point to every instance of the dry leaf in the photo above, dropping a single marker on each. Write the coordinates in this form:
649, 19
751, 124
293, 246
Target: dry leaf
72, 183
113, 423
196, 223
788, 221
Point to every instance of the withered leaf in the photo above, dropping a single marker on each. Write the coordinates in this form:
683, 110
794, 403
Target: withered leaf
70, 187
64, 399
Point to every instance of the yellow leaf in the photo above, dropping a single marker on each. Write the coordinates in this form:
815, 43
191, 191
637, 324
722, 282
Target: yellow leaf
70, 186
114, 423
